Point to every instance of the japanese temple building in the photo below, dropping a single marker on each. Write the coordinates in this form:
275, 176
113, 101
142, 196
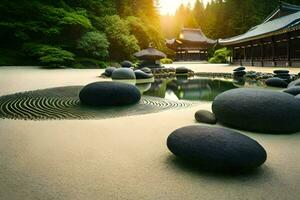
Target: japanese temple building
275, 42
191, 45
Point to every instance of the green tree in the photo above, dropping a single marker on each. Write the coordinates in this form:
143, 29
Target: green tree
94, 44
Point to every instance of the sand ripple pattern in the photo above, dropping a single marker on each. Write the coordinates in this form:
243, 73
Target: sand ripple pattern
63, 103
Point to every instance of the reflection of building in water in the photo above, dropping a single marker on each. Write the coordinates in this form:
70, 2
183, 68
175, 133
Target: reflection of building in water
199, 89
189, 89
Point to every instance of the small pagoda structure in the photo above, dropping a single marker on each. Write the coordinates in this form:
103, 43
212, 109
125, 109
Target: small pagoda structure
150, 57
192, 45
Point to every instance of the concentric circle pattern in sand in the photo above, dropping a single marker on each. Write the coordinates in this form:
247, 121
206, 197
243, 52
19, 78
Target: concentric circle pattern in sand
63, 103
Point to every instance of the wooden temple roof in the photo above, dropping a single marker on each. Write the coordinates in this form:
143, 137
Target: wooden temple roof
190, 39
285, 19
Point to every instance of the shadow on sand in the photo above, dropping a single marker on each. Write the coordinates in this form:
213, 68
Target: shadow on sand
196, 169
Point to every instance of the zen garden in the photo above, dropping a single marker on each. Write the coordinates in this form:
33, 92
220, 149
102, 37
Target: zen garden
149, 99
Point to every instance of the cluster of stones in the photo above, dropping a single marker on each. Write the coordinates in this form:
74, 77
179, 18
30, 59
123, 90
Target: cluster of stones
239, 72
280, 79
127, 72
257, 110
164, 72
172, 72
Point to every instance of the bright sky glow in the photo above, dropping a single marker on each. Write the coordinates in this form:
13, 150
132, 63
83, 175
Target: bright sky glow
170, 6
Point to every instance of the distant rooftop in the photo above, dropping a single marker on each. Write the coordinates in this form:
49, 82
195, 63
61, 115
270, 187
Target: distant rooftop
194, 35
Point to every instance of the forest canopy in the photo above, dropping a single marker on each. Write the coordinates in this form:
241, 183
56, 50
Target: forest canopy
65, 32
61, 32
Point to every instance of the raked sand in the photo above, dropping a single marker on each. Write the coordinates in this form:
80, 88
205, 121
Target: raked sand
123, 158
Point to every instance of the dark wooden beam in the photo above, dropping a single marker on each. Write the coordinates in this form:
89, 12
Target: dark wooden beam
251, 54
273, 51
288, 49
262, 53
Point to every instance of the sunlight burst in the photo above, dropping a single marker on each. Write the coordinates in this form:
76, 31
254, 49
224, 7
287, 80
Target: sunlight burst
170, 6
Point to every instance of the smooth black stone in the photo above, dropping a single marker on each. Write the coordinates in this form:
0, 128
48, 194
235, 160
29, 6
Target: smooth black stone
146, 70
109, 71
276, 82
294, 83
293, 90
126, 64
258, 110
109, 94
182, 70
204, 116
281, 71
239, 69
297, 97
239, 73
142, 75
123, 74
216, 148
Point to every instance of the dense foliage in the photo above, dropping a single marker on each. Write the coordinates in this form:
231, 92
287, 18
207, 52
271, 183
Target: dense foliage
58, 32
72, 32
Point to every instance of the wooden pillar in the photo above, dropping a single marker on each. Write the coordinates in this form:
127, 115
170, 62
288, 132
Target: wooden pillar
251, 52
245, 53
288, 49
200, 54
240, 55
273, 52
262, 53
186, 55
232, 55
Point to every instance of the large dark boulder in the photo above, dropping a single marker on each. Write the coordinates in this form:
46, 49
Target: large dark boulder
293, 90
258, 110
276, 82
216, 148
281, 71
142, 75
108, 71
109, 94
204, 116
123, 74
126, 64
239, 69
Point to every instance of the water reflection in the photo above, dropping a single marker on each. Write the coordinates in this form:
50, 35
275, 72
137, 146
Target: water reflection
195, 89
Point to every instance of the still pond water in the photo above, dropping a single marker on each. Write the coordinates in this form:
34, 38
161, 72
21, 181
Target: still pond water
193, 89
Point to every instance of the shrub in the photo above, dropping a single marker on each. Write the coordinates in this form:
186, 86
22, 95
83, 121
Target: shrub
166, 61
88, 63
49, 55
220, 56
94, 44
